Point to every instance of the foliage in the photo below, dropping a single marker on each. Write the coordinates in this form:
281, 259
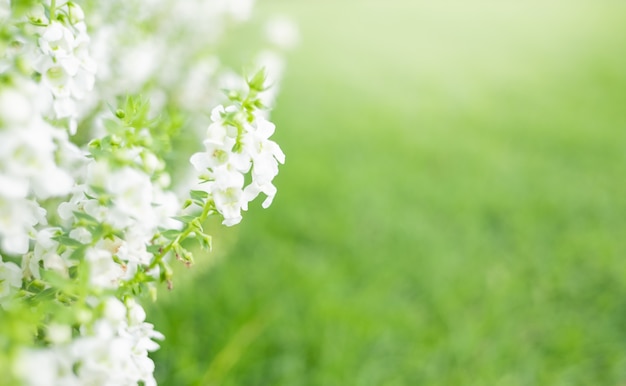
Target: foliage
90, 222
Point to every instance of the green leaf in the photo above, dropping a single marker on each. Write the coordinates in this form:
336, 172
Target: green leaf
82, 216
170, 234
88, 196
79, 253
184, 219
98, 190
154, 249
111, 125
54, 278
258, 80
66, 240
48, 293
199, 195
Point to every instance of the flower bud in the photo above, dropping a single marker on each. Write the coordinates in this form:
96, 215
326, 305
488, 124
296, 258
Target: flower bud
76, 13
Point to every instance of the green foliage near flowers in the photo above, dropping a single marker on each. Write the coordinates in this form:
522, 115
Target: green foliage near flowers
452, 211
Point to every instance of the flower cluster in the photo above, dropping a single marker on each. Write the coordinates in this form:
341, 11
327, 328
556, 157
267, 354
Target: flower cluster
29, 147
238, 144
91, 214
113, 352
62, 59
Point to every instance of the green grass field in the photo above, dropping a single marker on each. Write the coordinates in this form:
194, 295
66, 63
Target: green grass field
452, 210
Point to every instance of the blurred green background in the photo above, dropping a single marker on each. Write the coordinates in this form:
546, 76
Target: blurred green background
452, 210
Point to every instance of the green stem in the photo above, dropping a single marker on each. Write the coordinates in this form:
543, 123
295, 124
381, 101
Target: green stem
203, 216
53, 6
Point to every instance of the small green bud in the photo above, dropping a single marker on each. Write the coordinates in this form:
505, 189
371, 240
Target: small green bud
233, 95
115, 140
83, 316
152, 291
257, 81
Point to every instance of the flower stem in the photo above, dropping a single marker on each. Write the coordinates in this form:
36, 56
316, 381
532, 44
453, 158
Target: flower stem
201, 218
53, 6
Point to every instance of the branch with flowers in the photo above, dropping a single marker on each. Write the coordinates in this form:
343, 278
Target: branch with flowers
92, 99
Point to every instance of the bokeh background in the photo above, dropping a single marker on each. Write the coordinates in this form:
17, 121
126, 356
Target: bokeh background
452, 210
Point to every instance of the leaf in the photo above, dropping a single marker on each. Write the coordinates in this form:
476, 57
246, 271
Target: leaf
98, 190
68, 241
154, 249
54, 278
79, 253
111, 125
184, 219
257, 81
199, 195
85, 217
170, 234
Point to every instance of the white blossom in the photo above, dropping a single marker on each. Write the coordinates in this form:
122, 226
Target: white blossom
28, 147
18, 218
114, 352
46, 252
10, 279
224, 168
67, 70
101, 219
103, 271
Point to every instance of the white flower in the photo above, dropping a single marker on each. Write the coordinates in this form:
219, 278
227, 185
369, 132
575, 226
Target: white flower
29, 154
132, 193
103, 271
10, 278
66, 209
37, 367
117, 351
63, 60
28, 147
17, 219
114, 310
113, 352
58, 333
216, 153
15, 108
81, 234
76, 13
229, 203
58, 80
252, 191
223, 168
106, 341
139, 64
57, 41
13, 186
166, 206
46, 251
221, 139
266, 155
132, 252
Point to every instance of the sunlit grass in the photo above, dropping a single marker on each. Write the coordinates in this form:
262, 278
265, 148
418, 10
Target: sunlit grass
452, 209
